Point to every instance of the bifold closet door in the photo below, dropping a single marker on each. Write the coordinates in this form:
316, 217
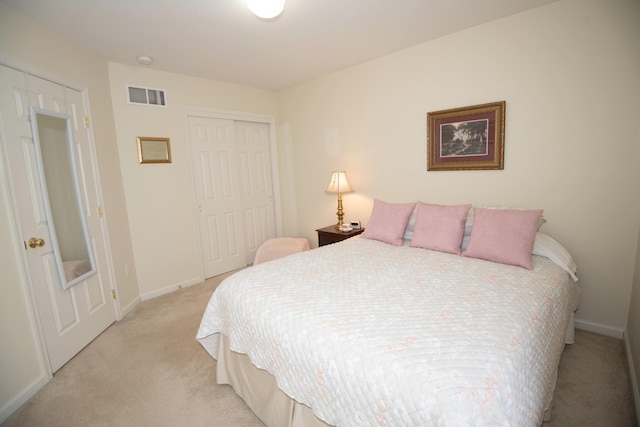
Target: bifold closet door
232, 173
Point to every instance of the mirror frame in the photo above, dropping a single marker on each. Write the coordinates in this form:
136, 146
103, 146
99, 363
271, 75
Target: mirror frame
33, 114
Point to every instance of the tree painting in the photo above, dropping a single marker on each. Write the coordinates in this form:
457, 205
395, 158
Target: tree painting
467, 138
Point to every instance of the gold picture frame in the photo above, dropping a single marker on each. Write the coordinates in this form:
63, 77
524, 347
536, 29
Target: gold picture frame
153, 150
467, 138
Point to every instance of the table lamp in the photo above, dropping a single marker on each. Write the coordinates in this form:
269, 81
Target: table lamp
339, 184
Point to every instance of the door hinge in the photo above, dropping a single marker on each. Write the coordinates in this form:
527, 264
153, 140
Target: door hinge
113, 294
86, 122
99, 209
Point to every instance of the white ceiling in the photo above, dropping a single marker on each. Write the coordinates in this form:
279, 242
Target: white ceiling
222, 40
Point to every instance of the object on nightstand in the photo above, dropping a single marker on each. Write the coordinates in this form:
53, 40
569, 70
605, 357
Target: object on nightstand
356, 225
339, 185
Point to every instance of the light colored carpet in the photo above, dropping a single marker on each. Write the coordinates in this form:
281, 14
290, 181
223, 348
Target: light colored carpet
148, 370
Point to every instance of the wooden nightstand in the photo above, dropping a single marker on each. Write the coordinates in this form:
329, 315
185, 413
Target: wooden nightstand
328, 235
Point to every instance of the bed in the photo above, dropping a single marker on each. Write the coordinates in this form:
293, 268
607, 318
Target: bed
369, 333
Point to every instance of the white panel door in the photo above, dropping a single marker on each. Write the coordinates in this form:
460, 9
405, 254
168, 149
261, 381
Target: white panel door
218, 194
71, 318
254, 167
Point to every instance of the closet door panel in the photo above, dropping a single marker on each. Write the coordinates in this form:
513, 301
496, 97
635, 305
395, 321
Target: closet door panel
218, 194
254, 165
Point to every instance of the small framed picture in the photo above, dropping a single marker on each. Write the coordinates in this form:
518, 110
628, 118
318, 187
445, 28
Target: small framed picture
467, 138
153, 150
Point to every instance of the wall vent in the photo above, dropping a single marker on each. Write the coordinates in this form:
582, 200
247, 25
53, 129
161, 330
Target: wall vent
146, 96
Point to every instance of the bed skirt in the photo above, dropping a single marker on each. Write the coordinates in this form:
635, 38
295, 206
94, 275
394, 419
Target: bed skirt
259, 390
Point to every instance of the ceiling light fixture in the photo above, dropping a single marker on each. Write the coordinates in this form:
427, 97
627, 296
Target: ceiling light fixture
266, 9
144, 60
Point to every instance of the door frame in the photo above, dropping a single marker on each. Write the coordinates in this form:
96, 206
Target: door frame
215, 113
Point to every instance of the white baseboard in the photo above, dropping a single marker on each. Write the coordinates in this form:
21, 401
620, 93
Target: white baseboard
599, 328
632, 376
7, 410
129, 307
172, 288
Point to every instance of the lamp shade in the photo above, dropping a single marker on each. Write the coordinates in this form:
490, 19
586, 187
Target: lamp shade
339, 183
266, 9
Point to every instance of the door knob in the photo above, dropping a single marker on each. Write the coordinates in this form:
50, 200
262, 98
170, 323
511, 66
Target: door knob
33, 242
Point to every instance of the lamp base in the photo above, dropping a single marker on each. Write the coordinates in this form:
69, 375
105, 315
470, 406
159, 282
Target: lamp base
340, 212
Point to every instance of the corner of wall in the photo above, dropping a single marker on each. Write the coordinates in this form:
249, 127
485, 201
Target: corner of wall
632, 376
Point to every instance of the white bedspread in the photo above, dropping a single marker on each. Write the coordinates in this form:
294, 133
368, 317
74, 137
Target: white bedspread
368, 334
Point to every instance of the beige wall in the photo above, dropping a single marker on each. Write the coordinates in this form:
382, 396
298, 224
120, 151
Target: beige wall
29, 46
160, 201
569, 73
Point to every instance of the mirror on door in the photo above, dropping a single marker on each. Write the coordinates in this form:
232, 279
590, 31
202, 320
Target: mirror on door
58, 174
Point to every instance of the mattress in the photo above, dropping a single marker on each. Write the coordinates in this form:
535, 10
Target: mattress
366, 333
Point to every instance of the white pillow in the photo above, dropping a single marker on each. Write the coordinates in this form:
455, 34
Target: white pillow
408, 232
546, 246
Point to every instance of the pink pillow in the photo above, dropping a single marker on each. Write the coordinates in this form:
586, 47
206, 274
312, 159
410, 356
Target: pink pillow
503, 235
388, 221
439, 228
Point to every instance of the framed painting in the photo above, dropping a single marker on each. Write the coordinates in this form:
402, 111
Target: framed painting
153, 150
467, 138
